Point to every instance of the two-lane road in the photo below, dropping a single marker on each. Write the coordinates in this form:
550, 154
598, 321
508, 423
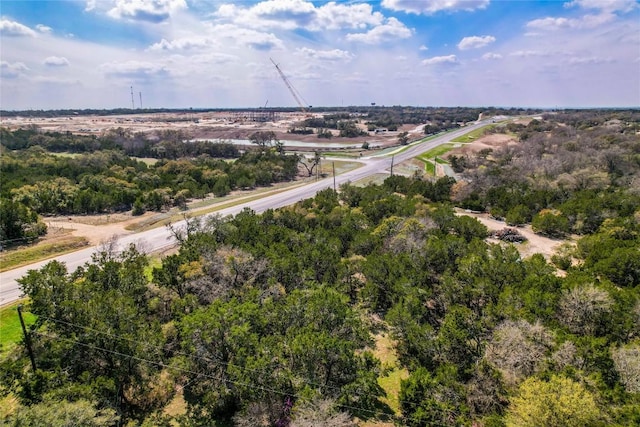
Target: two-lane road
158, 238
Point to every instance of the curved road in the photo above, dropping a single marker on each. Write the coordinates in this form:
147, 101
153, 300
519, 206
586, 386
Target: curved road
160, 238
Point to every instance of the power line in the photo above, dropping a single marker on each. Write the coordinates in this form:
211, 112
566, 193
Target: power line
189, 371
190, 356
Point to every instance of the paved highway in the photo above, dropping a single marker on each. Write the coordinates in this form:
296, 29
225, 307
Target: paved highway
159, 238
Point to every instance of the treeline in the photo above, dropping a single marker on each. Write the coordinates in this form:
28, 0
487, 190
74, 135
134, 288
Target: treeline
166, 144
107, 181
272, 320
391, 118
567, 175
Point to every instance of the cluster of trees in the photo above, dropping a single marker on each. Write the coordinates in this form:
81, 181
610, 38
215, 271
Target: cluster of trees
18, 223
165, 144
342, 122
391, 118
106, 181
328, 121
396, 116
270, 320
565, 175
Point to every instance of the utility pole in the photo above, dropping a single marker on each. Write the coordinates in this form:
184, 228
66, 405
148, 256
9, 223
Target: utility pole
392, 157
133, 106
27, 339
140, 93
333, 164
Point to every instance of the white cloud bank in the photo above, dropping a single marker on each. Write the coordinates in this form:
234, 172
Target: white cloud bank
429, 7
143, 10
15, 29
56, 61
448, 59
475, 42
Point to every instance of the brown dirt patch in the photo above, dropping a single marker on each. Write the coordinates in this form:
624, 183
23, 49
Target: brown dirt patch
535, 243
95, 228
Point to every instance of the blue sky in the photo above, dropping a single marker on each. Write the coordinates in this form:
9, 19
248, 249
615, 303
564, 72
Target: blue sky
210, 53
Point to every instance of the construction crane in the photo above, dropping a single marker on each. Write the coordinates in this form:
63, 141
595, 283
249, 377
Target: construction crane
293, 90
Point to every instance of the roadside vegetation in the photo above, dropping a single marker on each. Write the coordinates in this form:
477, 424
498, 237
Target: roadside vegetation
372, 303
18, 256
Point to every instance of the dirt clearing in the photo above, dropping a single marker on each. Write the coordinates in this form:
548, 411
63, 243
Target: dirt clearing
534, 244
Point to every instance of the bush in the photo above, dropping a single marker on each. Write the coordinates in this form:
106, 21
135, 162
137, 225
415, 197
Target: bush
550, 223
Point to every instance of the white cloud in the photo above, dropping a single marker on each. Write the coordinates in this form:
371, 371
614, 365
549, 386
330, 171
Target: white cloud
429, 7
586, 21
391, 30
185, 43
622, 6
12, 70
141, 10
56, 61
333, 16
549, 23
220, 37
327, 55
247, 37
605, 11
449, 59
138, 70
43, 29
589, 60
293, 14
423, 48
529, 53
91, 5
15, 29
491, 55
214, 58
475, 42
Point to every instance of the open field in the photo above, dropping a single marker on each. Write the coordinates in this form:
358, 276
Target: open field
228, 125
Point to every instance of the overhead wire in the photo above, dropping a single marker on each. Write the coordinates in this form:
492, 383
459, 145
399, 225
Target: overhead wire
189, 371
188, 355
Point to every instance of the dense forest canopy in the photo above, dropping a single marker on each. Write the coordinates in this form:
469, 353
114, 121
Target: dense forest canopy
275, 319
111, 181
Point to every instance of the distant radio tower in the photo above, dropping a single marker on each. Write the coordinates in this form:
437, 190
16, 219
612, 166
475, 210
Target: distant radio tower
140, 93
132, 103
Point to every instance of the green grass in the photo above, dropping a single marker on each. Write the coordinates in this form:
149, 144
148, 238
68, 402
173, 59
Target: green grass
10, 329
435, 152
474, 134
428, 156
154, 261
390, 383
429, 168
26, 255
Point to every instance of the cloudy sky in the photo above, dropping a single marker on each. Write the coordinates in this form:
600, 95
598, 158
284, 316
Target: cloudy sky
211, 53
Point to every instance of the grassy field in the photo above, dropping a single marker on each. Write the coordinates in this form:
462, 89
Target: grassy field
473, 135
428, 156
10, 329
18, 257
